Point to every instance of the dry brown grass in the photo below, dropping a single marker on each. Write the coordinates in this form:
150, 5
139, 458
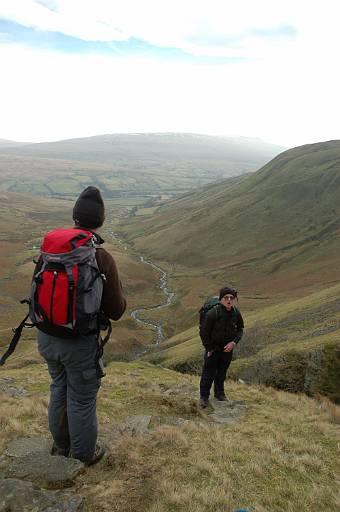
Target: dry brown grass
280, 456
332, 409
22, 417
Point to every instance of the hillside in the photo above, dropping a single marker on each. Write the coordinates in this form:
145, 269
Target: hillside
294, 346
276, 230
134, 165
275, 234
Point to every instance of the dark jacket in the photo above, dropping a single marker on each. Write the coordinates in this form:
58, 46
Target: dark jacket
221, 326
113, 301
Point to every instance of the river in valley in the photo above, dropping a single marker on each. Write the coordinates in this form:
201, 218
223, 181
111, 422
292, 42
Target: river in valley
138, 314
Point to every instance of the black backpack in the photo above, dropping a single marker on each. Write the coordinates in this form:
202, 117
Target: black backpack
210, 303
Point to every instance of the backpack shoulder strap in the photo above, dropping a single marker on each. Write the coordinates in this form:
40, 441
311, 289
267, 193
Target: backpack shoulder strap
217, 309
16, 337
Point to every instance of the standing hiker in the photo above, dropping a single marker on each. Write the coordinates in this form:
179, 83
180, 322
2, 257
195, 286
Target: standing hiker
74, 363
221, 328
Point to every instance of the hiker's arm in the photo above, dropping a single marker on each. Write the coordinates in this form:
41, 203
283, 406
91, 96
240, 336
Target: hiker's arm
240, 327
206, 328
113, 300
239, 333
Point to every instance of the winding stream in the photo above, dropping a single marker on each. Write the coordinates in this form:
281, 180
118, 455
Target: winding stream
169, 298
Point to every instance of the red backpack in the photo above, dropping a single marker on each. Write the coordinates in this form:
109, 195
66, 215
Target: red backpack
67, 288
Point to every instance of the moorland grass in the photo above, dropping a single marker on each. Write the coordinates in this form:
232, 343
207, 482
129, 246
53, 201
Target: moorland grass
281, 455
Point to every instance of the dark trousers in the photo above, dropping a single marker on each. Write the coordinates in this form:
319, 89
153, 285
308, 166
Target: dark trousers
214, 371
72, 409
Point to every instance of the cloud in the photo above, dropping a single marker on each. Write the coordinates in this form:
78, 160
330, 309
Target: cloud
255, 68
51, 96
199, 27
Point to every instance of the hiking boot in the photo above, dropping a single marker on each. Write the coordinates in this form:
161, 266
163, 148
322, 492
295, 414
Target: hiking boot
97, 456
56, 450
222, 398
204, 402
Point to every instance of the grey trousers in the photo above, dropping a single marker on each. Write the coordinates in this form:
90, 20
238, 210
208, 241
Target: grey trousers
72, 409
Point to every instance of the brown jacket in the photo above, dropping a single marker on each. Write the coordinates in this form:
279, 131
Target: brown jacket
113, 300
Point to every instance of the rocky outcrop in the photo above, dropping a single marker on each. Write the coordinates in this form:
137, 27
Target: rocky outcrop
19, 496
297, 371
28, 473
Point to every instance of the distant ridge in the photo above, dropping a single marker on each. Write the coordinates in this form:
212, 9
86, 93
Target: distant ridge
4, 143
143, 165
175, 146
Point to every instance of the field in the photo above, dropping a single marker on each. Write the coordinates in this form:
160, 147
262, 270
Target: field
129, 166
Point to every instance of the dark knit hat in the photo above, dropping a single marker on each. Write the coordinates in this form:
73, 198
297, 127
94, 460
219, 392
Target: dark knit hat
227, 290
88, 211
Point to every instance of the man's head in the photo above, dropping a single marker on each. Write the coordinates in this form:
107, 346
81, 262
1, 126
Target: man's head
89, 212
227, 296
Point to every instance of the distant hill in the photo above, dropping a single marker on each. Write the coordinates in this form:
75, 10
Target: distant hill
4, 143
141, 164
157, 146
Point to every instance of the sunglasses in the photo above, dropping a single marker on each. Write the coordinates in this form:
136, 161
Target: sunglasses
229, 297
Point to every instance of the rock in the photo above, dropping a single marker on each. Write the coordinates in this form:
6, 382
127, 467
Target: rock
226, 412
240, 381
135, 373
6, 380
8, 389
19, 496
238, 402
49, 471
137, 425
164, 387
170, 392
28, 446
4, 461
222, 419
152, 386
174, 421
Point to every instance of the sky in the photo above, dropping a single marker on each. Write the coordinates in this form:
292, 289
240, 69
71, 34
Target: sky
254, 68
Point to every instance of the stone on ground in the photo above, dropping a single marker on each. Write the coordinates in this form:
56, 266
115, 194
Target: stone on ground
28, 446
137, 425
51, 472
19, 496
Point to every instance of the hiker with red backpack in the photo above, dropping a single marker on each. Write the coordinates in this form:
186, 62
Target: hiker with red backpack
75, 291
221, 328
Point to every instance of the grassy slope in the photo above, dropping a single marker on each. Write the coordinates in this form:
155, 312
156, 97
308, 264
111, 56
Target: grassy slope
291, 203
293, 345
274, 233
281, 455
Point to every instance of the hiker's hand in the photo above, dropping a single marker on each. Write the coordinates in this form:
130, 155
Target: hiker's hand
210, 353
229, 346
